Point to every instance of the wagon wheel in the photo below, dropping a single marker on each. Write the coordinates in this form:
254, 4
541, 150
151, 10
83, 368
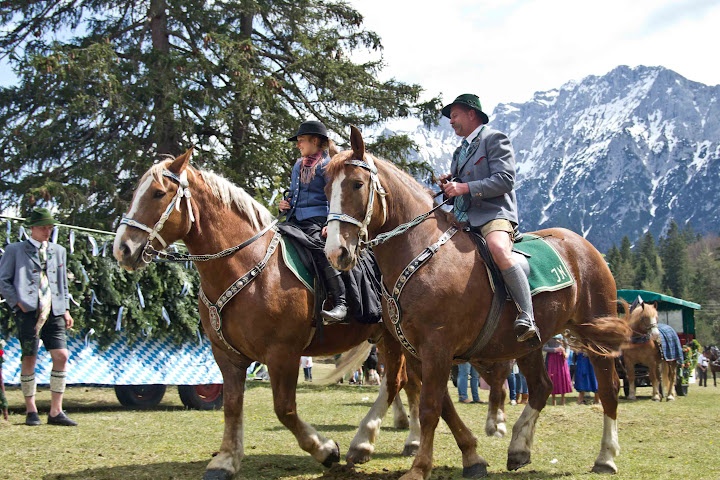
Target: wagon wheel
140, 395
202, 397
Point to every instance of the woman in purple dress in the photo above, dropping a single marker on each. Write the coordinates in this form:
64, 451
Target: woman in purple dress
557, 367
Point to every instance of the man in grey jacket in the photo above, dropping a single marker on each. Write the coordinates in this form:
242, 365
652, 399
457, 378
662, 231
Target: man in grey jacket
33, 281
482, 180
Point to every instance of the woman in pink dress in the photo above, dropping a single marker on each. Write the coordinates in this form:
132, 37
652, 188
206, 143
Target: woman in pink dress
557, 367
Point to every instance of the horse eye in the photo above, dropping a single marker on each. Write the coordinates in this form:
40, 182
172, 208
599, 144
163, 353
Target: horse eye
159, 194
357, 185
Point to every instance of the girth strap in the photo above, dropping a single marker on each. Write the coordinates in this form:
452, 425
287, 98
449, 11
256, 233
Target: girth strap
393, 300
214, 309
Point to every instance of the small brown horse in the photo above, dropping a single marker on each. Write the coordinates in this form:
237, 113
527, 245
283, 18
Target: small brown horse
445, 302
268, 320
645, 350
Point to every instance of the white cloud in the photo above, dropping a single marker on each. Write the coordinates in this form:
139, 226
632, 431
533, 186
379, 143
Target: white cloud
506, 50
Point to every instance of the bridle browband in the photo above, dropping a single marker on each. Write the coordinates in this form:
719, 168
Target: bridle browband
153, 233
183, 191
375, 187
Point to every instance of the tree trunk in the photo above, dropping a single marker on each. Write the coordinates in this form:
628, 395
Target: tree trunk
166, 135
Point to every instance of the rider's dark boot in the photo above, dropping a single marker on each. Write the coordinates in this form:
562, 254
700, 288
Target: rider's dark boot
336, 290
517, 285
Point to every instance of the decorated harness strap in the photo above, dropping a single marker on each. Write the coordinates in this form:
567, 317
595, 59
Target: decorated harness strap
214, 309
393, 300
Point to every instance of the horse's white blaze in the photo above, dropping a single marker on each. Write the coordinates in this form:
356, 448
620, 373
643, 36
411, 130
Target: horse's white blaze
315, 444
134, 208
364, 441
654, 332
609, 446
333, 242
524, 431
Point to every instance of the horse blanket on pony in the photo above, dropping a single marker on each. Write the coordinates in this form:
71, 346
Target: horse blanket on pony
671, 347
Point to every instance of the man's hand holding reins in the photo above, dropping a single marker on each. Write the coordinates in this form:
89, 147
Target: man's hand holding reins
453, 189
283, 205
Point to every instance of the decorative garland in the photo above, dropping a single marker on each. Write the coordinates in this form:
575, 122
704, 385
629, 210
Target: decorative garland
159, 301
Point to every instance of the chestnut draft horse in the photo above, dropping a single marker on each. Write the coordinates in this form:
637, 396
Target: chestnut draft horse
445, 302
644, 348
268, 320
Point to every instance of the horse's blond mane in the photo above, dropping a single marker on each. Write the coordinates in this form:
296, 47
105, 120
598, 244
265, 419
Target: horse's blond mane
223, 190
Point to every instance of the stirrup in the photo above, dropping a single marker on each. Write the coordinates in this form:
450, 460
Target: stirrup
525, 329
337, 315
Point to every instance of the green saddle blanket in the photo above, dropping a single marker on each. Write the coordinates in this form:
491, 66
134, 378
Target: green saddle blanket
293, 262
548, 270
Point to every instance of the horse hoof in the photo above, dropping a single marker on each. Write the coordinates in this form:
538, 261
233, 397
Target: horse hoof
357, 456
217, 474
670, 399
604, 469
518, 460
334, 457
410, 450
478, 470
655, 399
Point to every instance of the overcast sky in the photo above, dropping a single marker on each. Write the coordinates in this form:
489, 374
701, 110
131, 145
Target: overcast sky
506, 50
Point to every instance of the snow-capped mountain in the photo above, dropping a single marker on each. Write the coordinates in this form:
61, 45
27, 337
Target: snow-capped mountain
607, 156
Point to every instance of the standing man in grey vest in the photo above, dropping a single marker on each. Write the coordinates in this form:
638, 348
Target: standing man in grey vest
482, 180
33, 281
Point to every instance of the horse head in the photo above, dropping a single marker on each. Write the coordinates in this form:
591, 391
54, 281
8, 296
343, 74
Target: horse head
643, 318
160, 192
357, 202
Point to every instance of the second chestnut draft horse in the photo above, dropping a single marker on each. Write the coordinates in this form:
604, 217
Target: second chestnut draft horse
445, 302
266, 317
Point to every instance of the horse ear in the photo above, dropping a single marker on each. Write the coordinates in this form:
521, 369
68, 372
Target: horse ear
357, 143
655, 304
180, 163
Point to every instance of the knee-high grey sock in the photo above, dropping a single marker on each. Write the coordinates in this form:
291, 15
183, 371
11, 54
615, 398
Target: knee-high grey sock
517, 285
27, 385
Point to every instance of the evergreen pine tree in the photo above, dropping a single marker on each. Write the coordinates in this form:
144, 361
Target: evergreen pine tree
106, 85
673, 252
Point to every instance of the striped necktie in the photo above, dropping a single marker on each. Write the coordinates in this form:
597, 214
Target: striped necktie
44, 295
460, 205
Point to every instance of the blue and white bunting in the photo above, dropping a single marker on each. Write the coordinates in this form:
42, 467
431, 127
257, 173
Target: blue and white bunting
93, 243
272, 199
90, 332
82, 269
118, 323
9, 231
71, 241
186, 289
140, 297
165, 315
93, 300
200, 340
55, 234
103, 247
22, 234
73, 300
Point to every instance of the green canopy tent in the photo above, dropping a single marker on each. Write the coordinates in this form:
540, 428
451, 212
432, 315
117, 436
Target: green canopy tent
676, 312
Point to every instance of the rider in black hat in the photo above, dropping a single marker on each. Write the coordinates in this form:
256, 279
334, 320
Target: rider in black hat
307, 208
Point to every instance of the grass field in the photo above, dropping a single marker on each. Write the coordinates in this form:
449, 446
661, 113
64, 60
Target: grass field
677, 440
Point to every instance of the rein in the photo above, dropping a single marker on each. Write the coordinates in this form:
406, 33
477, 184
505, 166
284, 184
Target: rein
183, 191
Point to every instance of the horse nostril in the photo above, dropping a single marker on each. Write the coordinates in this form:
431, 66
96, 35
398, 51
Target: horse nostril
125, 249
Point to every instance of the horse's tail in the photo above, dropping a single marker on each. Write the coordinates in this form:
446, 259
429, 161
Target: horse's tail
604, 336
349, 362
